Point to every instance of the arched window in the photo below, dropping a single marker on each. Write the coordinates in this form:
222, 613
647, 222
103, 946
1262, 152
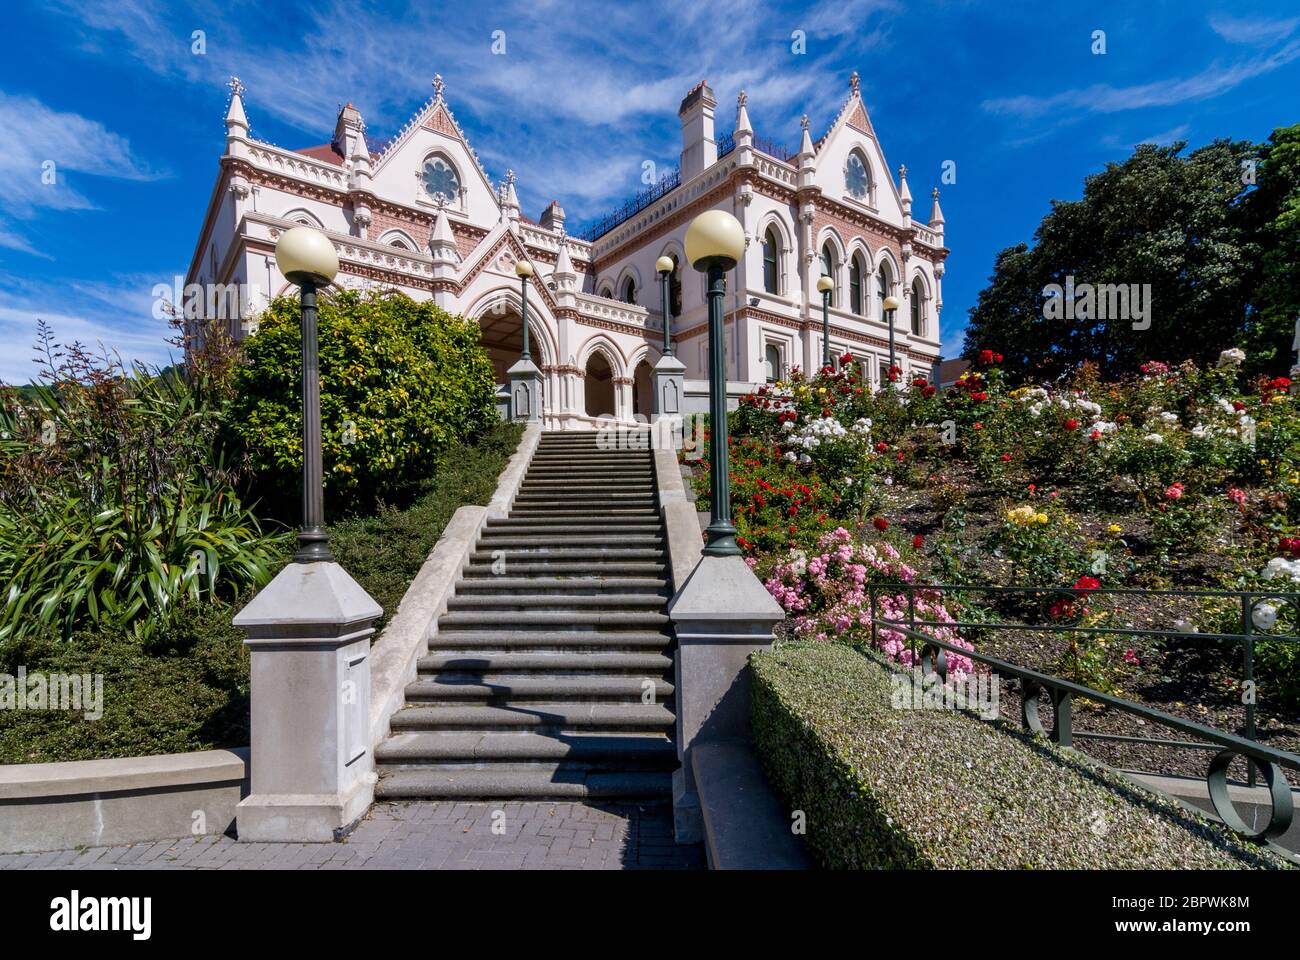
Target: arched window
439, 178
772, 362
918, 308
856, 301
629, 290
828, 266
884, 285
771, 261
607, 292
856, 179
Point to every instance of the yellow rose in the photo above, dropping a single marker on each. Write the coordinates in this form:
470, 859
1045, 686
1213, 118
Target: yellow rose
1114, 528
1041, 518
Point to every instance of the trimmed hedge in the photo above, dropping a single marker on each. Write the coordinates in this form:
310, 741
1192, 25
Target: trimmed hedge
890, 788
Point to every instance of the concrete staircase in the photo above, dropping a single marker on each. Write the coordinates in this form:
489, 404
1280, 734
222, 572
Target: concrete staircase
536, 680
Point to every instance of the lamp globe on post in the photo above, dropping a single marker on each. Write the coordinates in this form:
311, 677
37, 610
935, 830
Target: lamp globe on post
307, 258
524, 270
715, 242
824, 286
890, 306
664, 266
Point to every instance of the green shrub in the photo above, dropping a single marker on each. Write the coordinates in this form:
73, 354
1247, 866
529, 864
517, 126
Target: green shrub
893, 788
401, 382
117, 503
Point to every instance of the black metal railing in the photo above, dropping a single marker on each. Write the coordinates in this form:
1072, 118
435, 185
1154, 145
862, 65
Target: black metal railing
598, 228
932, 658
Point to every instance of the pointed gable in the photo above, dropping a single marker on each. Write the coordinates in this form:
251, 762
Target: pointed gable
852, 135
432, 132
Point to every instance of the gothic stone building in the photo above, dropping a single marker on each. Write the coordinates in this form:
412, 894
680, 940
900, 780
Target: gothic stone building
419, 213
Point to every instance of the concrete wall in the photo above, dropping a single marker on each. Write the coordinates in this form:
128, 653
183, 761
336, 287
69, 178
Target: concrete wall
55, 806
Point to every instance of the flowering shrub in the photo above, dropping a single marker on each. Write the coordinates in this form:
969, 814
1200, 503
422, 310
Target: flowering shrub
1041, 543
825, 593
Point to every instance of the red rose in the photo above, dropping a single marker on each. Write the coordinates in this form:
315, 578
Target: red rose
977, 425
979, 397
1072, 424
918, 541
928, 390
881, 446
880, 523
986, 357
1006, 457
1087, 584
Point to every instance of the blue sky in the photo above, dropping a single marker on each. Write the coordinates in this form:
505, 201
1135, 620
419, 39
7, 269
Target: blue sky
584, 93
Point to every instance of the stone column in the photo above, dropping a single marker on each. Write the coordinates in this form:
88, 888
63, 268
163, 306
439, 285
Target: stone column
308, 634
721, 615
525, 391
668, 378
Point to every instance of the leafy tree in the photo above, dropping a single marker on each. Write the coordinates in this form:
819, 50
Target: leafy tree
1270, 330
401, 382
1176, 223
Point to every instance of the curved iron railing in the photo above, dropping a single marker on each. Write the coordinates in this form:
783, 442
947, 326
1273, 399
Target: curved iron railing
932, 658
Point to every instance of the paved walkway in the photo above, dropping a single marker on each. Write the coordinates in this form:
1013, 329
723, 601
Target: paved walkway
425, 836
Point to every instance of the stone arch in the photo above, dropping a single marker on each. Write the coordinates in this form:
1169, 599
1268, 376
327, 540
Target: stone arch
399, 238
499, 312
642, 389
304, 217
629, 273
773, 222
600, 391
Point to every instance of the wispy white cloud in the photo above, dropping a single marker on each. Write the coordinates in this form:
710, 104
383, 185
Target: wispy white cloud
115, 315
35, 163
1255, 31
1213, 81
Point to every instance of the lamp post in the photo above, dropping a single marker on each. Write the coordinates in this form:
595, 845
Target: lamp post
890, 305
307, 258
524, 270
665, 267
824, 286
715, 241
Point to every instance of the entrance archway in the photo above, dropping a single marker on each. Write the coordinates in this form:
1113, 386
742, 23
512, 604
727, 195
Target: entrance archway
599, 386
642, 390
503, 338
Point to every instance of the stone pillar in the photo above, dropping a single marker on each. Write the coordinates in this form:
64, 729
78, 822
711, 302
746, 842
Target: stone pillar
525, 391
667, 377
308, 634
721, 615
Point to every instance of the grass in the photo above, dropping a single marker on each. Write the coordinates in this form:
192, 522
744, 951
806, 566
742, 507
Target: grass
187, 688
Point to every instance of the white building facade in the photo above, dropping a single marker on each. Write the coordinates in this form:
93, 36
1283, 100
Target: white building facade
420, 214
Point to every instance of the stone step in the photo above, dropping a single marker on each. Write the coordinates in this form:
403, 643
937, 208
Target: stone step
484, 641
512, 540
587, 603
572, 555
645, 750
564, 586
578, 569
567, 716
551, 619
557, 470
561, 513
560, 664
558, 782
516, 690
543, 525
604, 498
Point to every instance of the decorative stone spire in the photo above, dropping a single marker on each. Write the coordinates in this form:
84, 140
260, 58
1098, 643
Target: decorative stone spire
936, 215
855, 84
509, 199
904, 193
806, 155
743, 127
564, 276
438, 87
236, 121
442, 242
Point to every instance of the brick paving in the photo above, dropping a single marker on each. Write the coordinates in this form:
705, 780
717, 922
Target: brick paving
425, 835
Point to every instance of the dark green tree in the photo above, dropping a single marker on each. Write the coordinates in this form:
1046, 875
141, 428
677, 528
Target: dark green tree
1270, 330
1170, 224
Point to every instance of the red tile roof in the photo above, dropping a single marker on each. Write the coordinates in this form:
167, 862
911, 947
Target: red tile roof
324, 152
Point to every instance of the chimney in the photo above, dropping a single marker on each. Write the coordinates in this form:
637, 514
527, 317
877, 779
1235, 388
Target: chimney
552, 217
699, 149
347, 129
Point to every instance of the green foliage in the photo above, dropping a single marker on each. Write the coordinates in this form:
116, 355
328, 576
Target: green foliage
186, 687
1175, 222
116, 502
868, 774
401, 382
1276, 207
